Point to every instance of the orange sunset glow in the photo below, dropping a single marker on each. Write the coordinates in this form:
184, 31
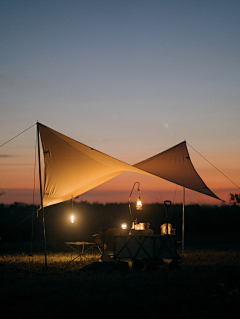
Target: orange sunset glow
17, 181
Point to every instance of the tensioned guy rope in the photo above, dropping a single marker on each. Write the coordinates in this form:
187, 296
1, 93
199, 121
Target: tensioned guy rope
215, 167
17, 135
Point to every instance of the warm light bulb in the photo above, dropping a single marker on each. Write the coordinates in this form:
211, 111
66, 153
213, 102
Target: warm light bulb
124, 226
72, 219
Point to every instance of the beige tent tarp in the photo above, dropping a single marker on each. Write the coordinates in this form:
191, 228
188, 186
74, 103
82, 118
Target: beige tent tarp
72, 168
175, 166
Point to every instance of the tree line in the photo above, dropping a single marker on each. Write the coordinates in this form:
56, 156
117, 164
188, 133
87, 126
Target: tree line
21, 222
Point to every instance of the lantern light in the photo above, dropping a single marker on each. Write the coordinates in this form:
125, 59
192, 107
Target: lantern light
72, 216
124, 226
139, 203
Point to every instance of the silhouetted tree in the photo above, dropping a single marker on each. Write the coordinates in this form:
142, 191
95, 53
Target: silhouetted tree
234, 198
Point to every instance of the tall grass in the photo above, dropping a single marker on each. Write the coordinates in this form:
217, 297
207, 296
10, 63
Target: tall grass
207, 286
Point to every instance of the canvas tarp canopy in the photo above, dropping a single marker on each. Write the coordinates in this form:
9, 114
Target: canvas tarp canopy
175, 166
72, 168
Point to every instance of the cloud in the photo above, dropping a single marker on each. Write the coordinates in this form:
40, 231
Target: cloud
5, 155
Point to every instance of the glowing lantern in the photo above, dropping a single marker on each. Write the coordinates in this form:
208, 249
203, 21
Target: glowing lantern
124, 226
72, 216
139, 203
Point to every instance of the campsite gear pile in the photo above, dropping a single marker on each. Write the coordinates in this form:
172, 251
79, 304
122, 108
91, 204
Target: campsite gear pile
148, 250
140, 245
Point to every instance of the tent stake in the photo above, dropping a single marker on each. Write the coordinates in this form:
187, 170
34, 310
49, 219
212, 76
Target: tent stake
183, 221
40, 181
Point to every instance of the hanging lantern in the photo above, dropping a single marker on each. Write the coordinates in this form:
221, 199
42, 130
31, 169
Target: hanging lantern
124, 226
72, 216
139, 203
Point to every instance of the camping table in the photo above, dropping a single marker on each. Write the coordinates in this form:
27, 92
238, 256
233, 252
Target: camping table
80, 243
150, 248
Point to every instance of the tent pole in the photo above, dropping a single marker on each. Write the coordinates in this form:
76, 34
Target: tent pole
40, 182
183, 223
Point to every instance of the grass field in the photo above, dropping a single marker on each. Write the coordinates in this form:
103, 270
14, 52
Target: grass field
206, 286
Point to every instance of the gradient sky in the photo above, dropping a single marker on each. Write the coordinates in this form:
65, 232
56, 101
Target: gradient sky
129, 78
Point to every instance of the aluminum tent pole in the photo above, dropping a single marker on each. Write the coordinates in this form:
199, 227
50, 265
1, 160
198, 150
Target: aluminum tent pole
183, 223
40, 182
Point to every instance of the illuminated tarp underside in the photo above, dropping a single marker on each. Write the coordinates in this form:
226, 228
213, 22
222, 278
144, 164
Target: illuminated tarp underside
72, 168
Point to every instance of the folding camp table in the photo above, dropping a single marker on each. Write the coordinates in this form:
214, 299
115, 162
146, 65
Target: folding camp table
149, 249
79, 244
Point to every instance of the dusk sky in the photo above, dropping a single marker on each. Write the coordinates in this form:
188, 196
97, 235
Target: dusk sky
128, 78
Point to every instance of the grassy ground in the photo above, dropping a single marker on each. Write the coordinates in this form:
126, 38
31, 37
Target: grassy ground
208, 285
